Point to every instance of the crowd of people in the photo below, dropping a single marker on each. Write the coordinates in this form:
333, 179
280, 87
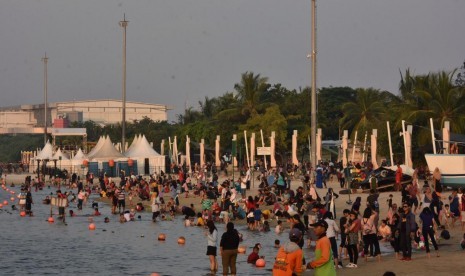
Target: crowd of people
420, 218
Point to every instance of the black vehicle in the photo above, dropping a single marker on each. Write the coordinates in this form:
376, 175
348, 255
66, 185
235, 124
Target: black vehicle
386, 179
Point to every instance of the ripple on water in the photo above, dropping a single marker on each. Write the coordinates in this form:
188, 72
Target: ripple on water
33, 246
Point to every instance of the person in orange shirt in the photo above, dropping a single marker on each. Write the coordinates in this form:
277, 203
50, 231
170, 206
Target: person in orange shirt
323, 263
288, 261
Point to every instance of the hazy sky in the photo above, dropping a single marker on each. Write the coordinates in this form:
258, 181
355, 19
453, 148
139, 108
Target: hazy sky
182, 51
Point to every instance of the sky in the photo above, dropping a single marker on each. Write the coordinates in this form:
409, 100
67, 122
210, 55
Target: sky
181, 51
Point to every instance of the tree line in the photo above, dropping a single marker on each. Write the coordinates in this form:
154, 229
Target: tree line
256, 105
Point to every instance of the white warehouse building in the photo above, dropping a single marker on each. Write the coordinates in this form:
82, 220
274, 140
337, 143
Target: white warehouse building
104, 112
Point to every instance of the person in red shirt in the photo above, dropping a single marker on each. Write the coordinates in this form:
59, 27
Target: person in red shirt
398, 178
253, 257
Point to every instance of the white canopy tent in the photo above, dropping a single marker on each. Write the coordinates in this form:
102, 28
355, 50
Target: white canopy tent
141, 151
105, 152
45, 153
59, 155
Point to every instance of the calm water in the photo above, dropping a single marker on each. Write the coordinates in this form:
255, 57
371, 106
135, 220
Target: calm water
30, 245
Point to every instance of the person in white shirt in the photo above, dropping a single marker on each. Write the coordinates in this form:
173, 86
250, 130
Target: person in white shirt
212, 241
332, 232
248, 178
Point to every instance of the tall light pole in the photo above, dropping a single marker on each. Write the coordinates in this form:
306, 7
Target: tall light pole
45, 60
313, 94
124, 24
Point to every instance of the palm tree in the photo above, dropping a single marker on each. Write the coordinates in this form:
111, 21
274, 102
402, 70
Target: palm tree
250, 91
436, 96
366, 112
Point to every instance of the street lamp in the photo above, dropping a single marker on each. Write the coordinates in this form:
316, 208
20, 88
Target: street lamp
45, 60
124, 24
313, 93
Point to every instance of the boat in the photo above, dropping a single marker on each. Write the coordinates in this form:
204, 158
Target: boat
451, 165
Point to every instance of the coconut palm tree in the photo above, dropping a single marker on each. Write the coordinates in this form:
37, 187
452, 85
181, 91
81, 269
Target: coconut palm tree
250, 91
366, 112
436, 96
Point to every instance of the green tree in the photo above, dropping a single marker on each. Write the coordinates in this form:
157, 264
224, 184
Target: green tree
368, 111
250, 91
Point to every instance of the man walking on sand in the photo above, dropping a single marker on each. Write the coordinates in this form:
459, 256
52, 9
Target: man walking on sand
407, 228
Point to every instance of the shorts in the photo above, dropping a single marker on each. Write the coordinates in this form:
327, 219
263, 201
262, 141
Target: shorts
413, 202
456, 213
343, 241
211, 250
250, 220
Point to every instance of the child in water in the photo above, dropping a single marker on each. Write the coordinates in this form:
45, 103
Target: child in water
279, 228
187, 221
266, 226
253, 257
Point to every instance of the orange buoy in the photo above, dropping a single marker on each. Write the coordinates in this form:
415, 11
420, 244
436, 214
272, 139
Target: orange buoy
154, 274
12, 199
12, 192
1, 205
161, 237
85, 163
51, 220
22, 213
111, 163
181, 240
241, 249
260, 263
5, 202
130, 162
92, 226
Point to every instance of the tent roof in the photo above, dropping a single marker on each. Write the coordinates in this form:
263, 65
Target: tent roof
59, 154
97, 147
46, 152
79, 155
134, 143
142, 149
106, 151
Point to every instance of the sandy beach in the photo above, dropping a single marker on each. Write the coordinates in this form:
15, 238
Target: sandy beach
450, 260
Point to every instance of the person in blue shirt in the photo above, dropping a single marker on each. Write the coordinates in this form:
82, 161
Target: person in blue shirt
427, 230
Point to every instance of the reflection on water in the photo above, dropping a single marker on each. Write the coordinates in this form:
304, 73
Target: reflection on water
30, 245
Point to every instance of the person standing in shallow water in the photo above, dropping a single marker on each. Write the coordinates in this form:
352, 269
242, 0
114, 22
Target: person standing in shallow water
212, 240
228, 249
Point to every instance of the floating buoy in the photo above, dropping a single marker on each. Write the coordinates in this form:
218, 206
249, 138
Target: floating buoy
51, 220
5, 202
154, 274
1, 205
12, 192
161, 237
260, 263
241, 249
181, 240
22, 213
12, 199
92, 226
